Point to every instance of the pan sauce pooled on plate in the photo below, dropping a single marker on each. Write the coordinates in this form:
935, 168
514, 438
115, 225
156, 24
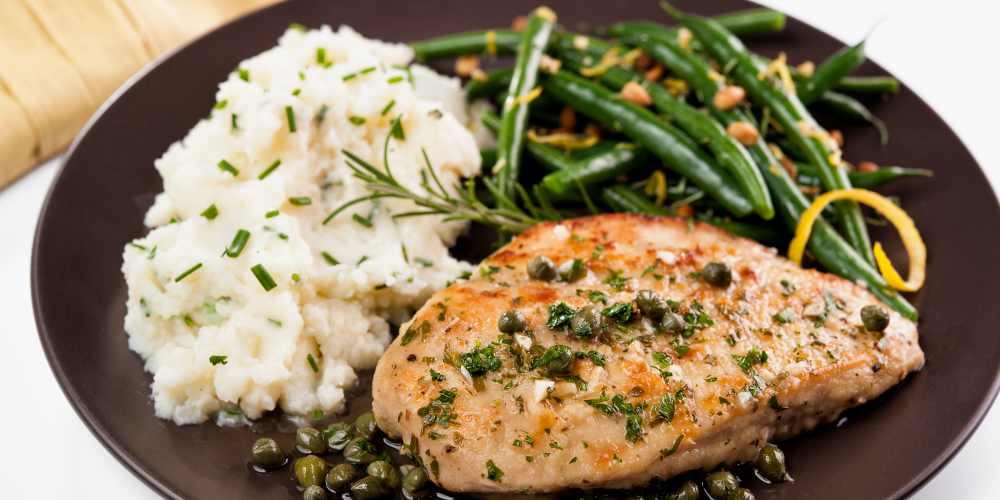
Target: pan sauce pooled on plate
243, 293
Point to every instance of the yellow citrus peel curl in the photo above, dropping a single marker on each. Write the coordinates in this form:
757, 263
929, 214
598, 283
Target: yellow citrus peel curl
914, 244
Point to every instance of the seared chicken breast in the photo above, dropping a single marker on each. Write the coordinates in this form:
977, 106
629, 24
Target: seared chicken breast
655, 347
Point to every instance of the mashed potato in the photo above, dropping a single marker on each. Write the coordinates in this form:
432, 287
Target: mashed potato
270, 161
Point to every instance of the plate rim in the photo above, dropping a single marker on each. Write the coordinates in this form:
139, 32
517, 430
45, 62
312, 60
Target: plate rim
121, 454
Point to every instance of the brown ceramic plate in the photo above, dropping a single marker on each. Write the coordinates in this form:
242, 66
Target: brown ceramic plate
886, 449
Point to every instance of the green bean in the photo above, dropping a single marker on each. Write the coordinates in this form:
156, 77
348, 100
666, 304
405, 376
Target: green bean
470, 42
868, 85
729, 153
830, 71
829, 248
594, 169
865, 180
626, 199
851, 108
496, 82
643, 127
789, 112
740, 23
514, 118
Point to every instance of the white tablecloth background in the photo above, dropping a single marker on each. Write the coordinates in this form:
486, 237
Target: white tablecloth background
937, 48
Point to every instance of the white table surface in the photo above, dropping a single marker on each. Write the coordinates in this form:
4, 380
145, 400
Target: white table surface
925, 43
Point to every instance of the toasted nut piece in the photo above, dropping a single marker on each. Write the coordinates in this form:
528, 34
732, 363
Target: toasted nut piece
743, 132
685, 210
592, 130
866, 166
643, 62
580, 42
633, 92
567, 119
519, 23
806, 69
549, 65
837, 137
676, 86
654, 73
684, 37
479, 75
466, 65
728, 97
789, 167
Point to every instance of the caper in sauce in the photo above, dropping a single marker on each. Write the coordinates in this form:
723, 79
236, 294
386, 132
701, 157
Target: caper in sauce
572, 270
557, 360
721, 483
687, 491
368, 488
385, 472
587, 322
875, 318
741, 494
360, 451
339, 478
266, 454
310, 470
337, 436
414, 480
770, 463
672, 323
651, 304
309, 440
511, 321
542, 268
717, 274
365, 426
314, 493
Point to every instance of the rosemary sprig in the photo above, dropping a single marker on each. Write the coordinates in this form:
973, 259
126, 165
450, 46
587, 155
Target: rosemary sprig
465, 205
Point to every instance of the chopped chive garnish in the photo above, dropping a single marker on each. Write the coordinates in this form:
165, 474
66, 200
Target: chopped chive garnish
406, 256
137, 246
218, 360
272, 214
321, 114
211, 212
152, 253
423, 262
244, 74
234, 122
302, 76
295, 277
296, 92
225, 166
364, 221
396, 79
357, 120
361, 260
329, 258
189, 321
290, 116
396, 128
350, 76
263, 277
297, 27
381, 286
312, 363
221, 104
187, 273
267, 171
274, 322
235, 248
367, 70
320, 55
388, 107
300, 201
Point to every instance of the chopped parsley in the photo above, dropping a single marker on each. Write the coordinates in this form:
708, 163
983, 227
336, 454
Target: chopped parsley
784, 316
493, 473
618, 406
666, 452
774, 404
218, 360
621, 312
594, 296
439, 411
616, 280
437, 376
594, 357
487, 271
696, 319
667, 407
413, 330
480, 361
559, 315
752, 358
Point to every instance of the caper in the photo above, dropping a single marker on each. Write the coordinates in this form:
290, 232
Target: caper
874, 318
266, 454
741, 494
672, 323
309, 440
771, 463
688, 491
587, 322
721, 483
367, 488
365, 426
572, 270
360, 451
557, 360
511, 321
717, 274
414, 480
337, 436
542, 268
314, 493
651, 304
340, 477
310, 470
385, 472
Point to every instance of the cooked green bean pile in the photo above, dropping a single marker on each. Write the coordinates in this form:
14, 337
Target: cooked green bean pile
677, 120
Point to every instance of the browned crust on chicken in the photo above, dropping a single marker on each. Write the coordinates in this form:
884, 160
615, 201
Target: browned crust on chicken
542, 433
